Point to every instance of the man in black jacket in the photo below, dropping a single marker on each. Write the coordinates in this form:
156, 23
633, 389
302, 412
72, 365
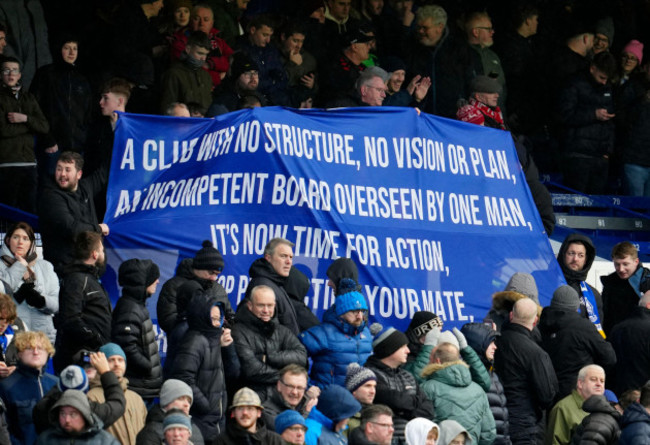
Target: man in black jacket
527, 374
84, 318
67, 208
585, 111
273, 270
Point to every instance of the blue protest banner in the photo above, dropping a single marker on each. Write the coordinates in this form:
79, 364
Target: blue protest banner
436, 213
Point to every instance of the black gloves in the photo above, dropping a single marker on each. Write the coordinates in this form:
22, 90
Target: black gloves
26, 292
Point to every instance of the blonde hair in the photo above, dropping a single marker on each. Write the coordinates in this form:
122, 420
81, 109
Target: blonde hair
30, 339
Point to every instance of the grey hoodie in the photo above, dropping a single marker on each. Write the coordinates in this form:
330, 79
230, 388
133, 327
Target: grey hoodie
449, 429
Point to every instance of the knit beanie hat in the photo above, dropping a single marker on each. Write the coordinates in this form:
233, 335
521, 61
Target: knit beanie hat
423, 322
242, 63
337, 403
173, 5
634, 47
208, 258
111, 349
176, 418
605, 26
448, 337
392, 64
287, 419
565, 297
524, 283
73, 377
348, 298
172, 389
357, 376
485, 84
388, 341
469, 113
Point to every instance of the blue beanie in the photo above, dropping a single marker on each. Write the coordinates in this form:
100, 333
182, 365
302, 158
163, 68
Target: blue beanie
286, 419
337, 403
111, 349
73, 377
349, 299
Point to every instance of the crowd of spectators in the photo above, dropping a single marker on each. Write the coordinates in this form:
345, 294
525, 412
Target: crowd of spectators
569, 78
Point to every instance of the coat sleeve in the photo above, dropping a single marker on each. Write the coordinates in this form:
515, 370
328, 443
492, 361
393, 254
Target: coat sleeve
479, 373
416, 366
55, 211
47, 284
186, 367
71, 313
544, 381
290, 351
114, 401
36, 120
488, 426
166, 308
253, 367
126, 331
231, 365
570, 112
314, 340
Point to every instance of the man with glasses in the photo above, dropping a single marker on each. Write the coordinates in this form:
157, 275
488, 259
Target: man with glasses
342, 338
290, 425
203, 269
479, 31
376, 426
244, 80
290, 393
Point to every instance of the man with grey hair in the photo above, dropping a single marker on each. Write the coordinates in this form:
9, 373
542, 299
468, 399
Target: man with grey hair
446, 59
526, 372
272, 270
567, 414
370, 90
177, 109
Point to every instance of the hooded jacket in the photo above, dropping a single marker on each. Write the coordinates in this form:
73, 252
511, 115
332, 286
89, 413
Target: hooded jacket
261, 272
572, 342
502, 304
601, 426
236, 435
93, 432
84, 319
46, 283
132, 329
449, 429
479, 336
167, 308
199, 364
455, 396
572, 277
297, 285
263, 349
333, 345
636, 426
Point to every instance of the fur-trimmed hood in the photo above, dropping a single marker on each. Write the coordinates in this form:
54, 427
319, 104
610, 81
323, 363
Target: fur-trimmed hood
503, 301
454, 372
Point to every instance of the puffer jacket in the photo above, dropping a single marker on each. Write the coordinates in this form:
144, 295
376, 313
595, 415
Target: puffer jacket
20, 392
264, 349
199, 364
398, 389
18, 138
478, 336
333, 345
601, 426
132, 329
572, 342
583, 134
449, 386
167, 309
261, 272
636, 426
46, 283
572, 277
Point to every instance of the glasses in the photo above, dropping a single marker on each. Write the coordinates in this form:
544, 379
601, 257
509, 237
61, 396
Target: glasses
292, 387
380, 89
8, 71
35, 349
486, 28
385, 425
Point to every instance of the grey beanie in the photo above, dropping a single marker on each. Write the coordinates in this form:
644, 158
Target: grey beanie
605, 26
172, 389
565, 297
524, 283
77, 400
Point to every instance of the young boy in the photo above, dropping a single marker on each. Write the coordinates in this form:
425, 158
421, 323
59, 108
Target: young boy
20, 120
623, 288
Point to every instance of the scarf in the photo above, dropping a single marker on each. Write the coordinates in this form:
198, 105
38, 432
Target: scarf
492, 113
9, 261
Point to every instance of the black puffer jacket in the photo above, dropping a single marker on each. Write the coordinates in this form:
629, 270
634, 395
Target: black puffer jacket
84, 318
152, 433
621, 297
572, 342
199, 364
65, 97
479, 336
132, 329
631, 341
167, 310
263, 349
261, 272
398, 389
601, 426
572, 277
63, 214
582, 133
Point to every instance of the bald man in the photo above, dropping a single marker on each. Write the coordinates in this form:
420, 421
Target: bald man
527, 374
